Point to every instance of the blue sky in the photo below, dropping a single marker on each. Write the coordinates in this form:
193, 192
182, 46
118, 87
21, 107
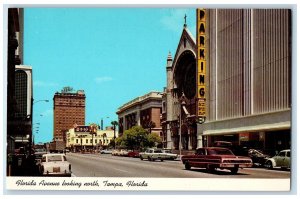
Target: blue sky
113, 54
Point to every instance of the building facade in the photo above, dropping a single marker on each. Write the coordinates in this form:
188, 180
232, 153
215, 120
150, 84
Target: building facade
69, 109
23, 112
247, 83
249, 78
80, 139
142, 111
179, 121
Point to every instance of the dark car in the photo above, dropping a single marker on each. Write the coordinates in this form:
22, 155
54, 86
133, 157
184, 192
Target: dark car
212, 158
258, 157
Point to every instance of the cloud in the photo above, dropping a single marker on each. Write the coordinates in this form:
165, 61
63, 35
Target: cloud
174, 20
44, 84
100, 80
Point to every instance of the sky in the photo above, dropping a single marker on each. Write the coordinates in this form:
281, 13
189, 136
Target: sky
113, 54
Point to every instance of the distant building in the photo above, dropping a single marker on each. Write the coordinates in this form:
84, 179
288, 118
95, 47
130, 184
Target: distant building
79, 138
69, 110
142, 111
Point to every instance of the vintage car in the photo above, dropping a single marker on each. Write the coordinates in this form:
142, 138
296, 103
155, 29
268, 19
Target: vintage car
282, 159
134, 154
38, 153
55, 164
169, 154
153, 154
213, 158
258, 157
106, 151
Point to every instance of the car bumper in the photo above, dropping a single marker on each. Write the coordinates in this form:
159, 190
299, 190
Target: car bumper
246, 165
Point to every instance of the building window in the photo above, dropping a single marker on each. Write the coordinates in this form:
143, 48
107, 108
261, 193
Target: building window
86, 141
91, 141
95, 140
76, 141
21, 89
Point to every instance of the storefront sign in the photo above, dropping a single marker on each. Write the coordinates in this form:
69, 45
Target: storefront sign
82, 129
201, 63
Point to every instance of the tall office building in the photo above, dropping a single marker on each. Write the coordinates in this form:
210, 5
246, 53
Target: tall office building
69, 110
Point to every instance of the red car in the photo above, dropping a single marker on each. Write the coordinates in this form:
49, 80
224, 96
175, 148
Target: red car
133, 154
212, 158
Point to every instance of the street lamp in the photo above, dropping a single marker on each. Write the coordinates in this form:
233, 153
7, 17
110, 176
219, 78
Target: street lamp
40, 101
31, 118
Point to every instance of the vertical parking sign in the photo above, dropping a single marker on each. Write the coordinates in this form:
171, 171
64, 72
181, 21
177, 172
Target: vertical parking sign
201, 63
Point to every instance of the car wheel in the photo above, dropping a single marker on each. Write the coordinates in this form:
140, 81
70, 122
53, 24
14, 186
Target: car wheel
161, 160
149, 159
210, 169
141, 158
187, 166
269, 165
234, 170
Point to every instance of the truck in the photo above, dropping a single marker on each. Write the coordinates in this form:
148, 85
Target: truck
153, 154
57, 146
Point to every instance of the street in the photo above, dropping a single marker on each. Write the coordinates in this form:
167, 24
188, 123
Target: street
106, 165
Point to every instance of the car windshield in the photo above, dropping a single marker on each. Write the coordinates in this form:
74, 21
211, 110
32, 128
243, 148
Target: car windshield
157, 151
54, 158
167, 151
219, 152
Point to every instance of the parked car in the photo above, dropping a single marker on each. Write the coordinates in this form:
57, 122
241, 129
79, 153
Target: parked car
153, 154
106, 151
123, 152
169, 154
133, 154
38, 153
212, 158
258, 157
282, 159
115, 152
55, 164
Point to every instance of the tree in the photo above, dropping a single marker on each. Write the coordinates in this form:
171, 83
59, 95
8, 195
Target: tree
153, 140
115, 124
137, 138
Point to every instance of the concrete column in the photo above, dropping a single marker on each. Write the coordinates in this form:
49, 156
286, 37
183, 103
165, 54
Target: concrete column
190, 139
199, 141
124, 123
169, 102
169, 138
138, 117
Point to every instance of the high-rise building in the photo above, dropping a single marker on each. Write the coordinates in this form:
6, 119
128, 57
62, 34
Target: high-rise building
23, 90
69, 110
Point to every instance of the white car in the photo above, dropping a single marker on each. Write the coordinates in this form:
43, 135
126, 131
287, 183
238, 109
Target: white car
169, 154
55, 164
153, 154
282, 159
106, 151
